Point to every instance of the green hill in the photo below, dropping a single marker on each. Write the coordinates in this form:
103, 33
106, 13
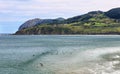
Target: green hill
95, 22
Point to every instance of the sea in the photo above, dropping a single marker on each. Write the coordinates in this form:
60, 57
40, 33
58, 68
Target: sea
59, 54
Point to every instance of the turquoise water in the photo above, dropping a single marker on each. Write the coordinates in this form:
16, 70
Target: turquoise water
59, 54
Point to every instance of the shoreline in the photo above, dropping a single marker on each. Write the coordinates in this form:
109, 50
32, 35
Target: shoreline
56, 34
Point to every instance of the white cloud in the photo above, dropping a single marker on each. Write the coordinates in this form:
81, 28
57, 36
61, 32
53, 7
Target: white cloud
52, 8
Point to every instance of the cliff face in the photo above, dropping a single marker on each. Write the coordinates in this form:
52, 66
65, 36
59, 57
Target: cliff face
95, 22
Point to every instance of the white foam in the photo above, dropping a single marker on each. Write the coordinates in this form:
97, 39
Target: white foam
116, 57
100, 51
107, 67
115, 62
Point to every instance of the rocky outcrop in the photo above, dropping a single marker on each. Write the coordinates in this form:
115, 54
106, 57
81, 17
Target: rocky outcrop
29, 23
37, 21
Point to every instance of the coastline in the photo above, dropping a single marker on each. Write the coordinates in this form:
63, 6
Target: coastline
68, 34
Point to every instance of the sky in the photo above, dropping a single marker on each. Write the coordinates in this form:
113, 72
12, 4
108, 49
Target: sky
13, 13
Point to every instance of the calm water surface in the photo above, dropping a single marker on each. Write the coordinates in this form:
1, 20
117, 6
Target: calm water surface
59, 54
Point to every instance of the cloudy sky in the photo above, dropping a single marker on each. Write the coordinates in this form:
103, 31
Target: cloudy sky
15, 12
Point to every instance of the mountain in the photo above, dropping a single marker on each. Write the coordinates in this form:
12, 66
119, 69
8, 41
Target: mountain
95, 22
37, 21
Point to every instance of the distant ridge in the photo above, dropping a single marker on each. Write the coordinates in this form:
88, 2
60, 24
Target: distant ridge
113, 13
94, 22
